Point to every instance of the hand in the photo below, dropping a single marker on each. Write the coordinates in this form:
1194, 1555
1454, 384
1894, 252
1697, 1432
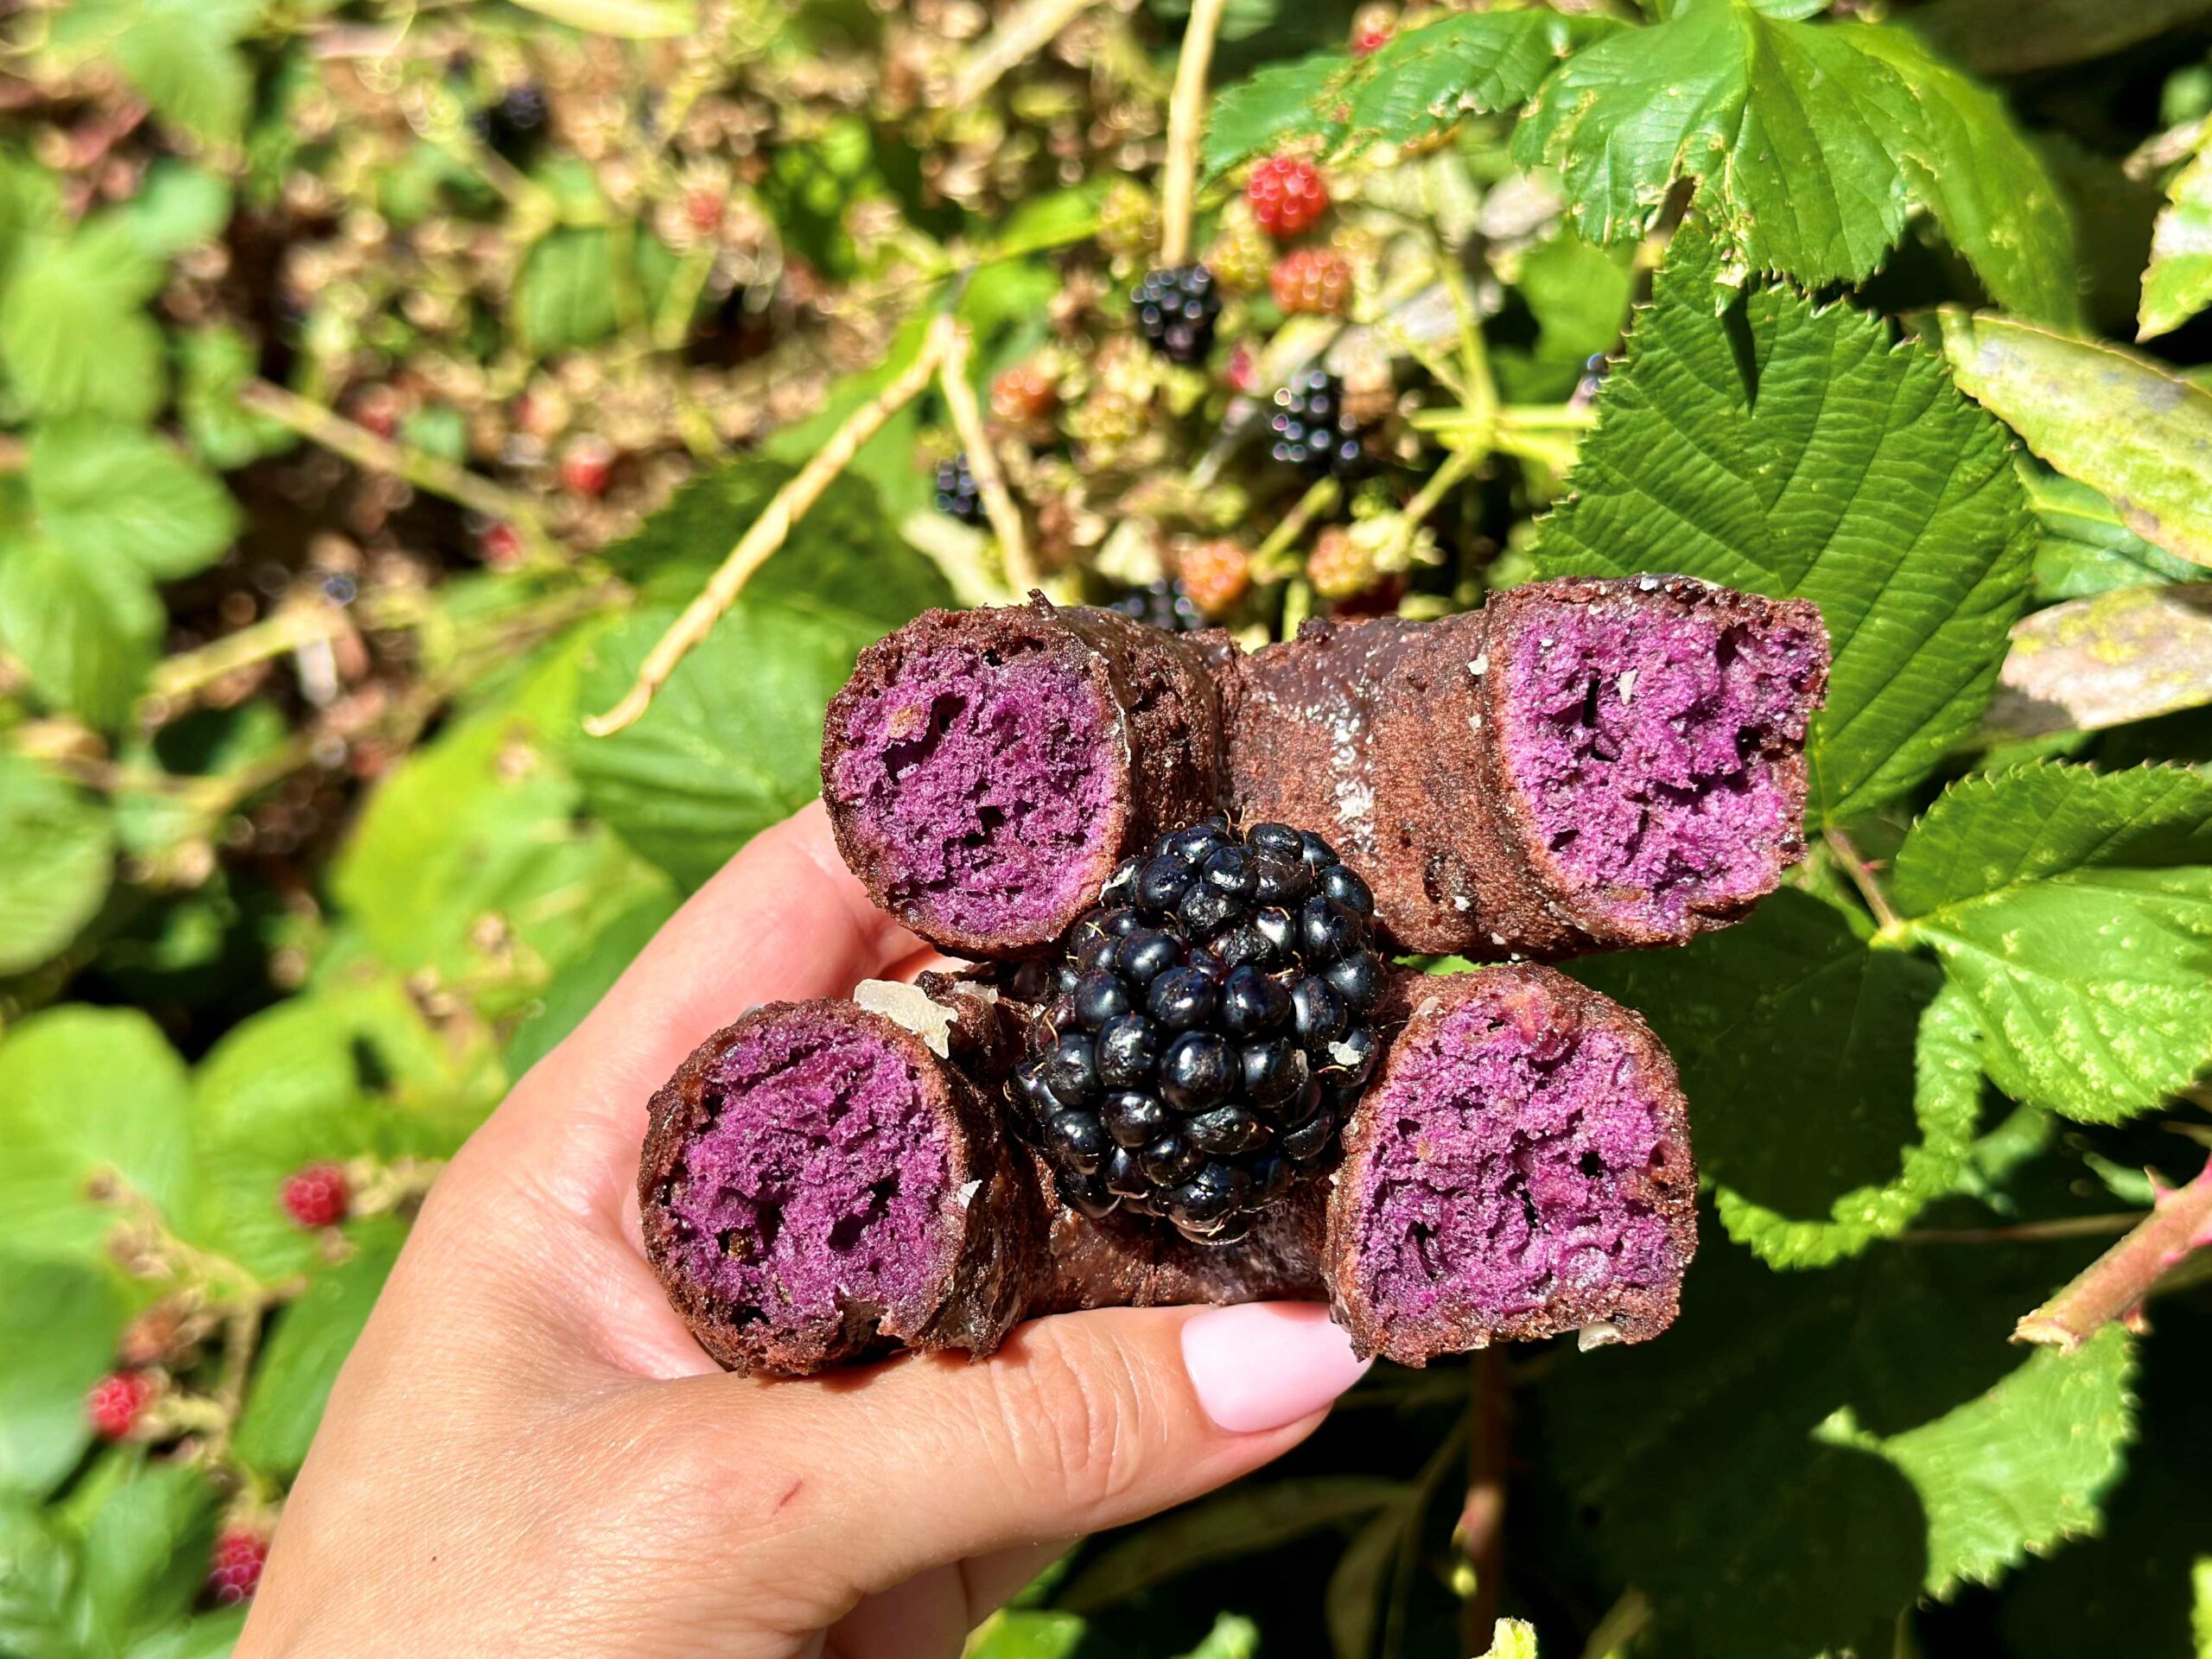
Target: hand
527, 1445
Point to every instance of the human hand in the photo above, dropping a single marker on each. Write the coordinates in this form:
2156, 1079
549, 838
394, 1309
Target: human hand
527, 1443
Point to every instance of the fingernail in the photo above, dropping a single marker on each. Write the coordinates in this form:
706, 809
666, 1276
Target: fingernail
1266, 1363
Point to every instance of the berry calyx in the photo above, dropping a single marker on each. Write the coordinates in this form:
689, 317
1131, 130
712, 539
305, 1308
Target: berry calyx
317, 1196
1311, 432
958, 495
587, 465
1316, 281
117, 1401
1217, 575
1207, 1029
1287, 195
1024, 397
1176, 309
234, 1574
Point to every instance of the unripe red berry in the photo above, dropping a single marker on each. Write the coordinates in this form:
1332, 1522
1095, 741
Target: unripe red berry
235, 1573
1287, 195
1023, 395
1243, 369
1317, 280
1214, 573
587, 464
501, 545
704, 209
317, 1196
1369, 41
117, 1401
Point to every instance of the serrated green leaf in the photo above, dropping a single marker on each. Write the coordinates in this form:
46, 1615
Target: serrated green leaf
1891, 1085
2112, 418
215, 363
181, 55
629, 20
2074, 909
576, 990
88, 629
107, 492
178, 206
206, 1636
1796, 451
2009, 37
88, 1093
2179, 282
1278, 103
61, 861
1578, 293
57, 1324
147, 1550
2086, 547
1811, 143
311, 1341
1240, 1521
72, 333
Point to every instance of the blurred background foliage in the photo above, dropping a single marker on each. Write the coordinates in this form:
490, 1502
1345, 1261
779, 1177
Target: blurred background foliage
378, 382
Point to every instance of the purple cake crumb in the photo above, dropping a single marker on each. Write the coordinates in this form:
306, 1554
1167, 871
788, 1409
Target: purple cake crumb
1652, 750
984, 782
1521, 1168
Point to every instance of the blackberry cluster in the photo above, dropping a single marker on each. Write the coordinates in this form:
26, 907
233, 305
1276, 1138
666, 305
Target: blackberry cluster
957, 493
1163, 605
1176, 310
514, 127
1311, 432
1206, 1029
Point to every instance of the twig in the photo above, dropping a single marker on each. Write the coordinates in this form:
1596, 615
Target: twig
426, 472
1441, 482
1847, 854
2027, 1232
983, 460
292, 626
2113, 1286
1316, 501
1026, 29
1187, 116
1482, 1521
767, 533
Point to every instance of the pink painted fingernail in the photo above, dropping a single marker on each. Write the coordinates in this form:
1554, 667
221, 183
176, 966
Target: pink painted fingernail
1266, 1363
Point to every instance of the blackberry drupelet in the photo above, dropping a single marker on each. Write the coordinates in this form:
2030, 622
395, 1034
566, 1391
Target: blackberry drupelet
1311, 432
1161, 604
1176, 309
1205, 1030
957, 494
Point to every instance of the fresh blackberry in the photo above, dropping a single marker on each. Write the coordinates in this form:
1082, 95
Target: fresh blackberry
1176, 309
957, 493
514, 127
1311, 432
1205, 1031
1162, 605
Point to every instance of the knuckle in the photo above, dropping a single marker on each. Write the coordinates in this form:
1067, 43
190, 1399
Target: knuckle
1073, 1424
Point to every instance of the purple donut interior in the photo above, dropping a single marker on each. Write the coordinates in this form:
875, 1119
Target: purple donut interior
1494, 1179
820, 1182
1647, 742
984, 783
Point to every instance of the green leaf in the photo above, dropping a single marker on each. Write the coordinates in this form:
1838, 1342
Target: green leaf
2178, 283
1233, 1636
1806, 1453
178, 206
1796, 451
72, 332
2116, 420
2090, 663
206, 1636
311, 1341
216, 363
57, 1324
576, 990
181, 55
564, 297
1884, 1111
2086, 547
88, 1097
88, 629
633, 20
2009, 37
1578, 293
1515, 1638
147, 1550
61, 861
109, 492
1025, 1633
2074, 909
1353, 1602
1242, 1521
1281, 102
1811, 143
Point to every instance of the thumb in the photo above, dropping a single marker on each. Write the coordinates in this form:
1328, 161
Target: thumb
1082, 1421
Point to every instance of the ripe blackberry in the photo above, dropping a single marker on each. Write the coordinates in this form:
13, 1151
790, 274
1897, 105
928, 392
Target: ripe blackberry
1287, 195
957, 493
1311, 433
1176, 309
1161, 604
1316, 280
514, 127
1205, 1030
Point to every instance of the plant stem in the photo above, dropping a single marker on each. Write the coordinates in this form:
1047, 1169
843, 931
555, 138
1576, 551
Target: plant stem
292, 626
1316, 500
1186, 113
1025, 31
432, 474
1862, 877
767, 533
1021, 573
2113, 1286
2027, 1232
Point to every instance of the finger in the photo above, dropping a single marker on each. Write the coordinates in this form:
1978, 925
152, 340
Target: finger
1082, 1421
933, 1613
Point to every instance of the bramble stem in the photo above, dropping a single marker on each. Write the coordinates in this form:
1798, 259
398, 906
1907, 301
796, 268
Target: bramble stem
1021, 572
1025, 31
1862, 877
2027, 1232
1186, 119
2113, 1286
1316, 500
767, 533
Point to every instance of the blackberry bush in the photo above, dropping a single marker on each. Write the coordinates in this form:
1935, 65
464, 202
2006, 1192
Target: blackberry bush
1206, 1028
